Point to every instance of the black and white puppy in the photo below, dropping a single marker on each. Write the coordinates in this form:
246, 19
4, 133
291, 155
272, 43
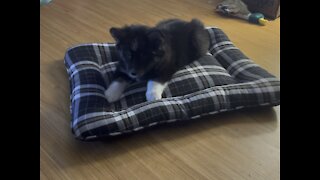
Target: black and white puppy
154, 54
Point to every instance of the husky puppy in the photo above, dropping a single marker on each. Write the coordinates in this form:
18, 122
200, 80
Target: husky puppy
154, 54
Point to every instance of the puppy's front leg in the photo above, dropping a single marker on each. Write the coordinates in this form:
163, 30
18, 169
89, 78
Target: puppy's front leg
115, 90
154, 90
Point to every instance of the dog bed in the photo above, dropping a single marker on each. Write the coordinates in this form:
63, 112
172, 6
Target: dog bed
224, 80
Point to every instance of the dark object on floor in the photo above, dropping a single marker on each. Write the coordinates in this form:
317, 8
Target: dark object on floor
236, 8
270, 8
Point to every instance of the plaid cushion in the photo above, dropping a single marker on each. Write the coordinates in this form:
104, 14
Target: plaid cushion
223, 81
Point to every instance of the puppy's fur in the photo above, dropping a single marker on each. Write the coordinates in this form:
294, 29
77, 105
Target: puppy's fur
155, 53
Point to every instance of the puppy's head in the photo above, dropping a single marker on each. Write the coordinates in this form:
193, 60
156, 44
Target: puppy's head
131, 43
139, 47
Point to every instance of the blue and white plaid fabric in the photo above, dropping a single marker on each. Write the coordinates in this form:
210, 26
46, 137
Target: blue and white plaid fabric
224, 80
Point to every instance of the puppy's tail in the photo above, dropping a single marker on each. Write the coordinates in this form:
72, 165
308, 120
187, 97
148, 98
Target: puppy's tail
199, 38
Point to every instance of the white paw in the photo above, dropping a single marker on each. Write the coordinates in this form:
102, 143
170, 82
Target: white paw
153, 95
111, 95
154, 90
114, 91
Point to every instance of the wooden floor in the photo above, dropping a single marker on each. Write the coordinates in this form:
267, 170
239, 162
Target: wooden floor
237, 145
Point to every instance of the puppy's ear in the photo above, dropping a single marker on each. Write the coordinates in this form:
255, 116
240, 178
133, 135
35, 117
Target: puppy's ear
117, 33
156, 40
